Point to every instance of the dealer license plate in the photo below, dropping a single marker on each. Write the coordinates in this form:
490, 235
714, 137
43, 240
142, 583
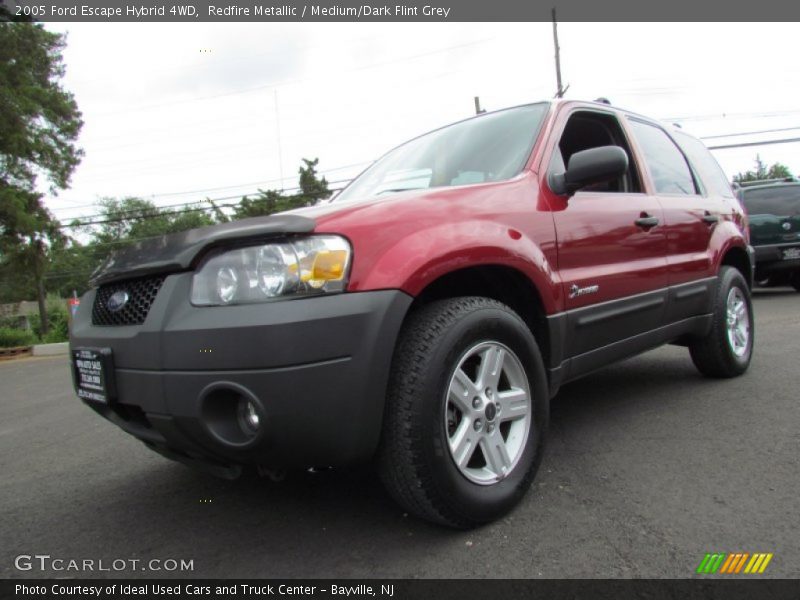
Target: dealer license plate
93, 371
791, 253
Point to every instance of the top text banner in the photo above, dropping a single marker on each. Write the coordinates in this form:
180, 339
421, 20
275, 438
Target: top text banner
402, 11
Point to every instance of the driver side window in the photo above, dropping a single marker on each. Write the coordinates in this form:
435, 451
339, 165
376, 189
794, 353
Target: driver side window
588, 129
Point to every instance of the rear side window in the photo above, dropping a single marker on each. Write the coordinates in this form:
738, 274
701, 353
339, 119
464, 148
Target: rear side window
710, 172
782, 201
668, 167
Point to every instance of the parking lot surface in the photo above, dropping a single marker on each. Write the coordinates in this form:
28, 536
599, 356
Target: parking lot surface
649, 466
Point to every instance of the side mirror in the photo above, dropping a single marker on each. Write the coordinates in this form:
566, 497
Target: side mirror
586, 167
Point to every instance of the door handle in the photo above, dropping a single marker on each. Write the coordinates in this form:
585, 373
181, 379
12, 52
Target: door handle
710, 219
645, 221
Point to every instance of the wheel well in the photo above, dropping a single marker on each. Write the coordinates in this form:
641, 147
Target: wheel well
738, 259
504, 284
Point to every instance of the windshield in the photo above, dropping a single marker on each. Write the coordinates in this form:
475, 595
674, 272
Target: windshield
781, 200
492, 147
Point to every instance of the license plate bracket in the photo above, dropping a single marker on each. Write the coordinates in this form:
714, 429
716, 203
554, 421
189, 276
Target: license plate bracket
93, 374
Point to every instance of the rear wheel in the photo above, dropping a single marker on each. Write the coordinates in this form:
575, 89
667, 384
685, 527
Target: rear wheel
727, 349
466, 413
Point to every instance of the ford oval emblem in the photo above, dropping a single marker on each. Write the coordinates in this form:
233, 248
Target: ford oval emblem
117, 301
787, 226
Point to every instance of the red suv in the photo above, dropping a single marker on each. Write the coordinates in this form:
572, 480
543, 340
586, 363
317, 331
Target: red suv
428, 314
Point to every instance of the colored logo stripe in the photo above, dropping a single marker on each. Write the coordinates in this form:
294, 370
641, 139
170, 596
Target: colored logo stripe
734, 563
758, 564
711, 563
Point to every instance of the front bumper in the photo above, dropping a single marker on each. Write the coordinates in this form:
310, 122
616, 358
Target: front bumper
317, 367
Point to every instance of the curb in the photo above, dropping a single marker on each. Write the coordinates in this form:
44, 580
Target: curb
16, 352
51, 349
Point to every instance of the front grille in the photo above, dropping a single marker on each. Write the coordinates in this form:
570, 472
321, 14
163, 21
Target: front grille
141, 293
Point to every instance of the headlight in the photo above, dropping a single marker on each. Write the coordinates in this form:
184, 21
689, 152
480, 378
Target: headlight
299, 267
227, 284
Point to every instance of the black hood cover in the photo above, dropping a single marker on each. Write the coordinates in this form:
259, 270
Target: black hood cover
177, 251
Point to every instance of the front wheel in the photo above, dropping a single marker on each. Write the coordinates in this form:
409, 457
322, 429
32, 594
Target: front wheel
728, 347
467, 410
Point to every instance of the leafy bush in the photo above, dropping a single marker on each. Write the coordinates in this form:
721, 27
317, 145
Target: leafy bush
57, 319
10, 338
59, 332
16, 322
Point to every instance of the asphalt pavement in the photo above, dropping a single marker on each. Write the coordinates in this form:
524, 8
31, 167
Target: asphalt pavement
649, 466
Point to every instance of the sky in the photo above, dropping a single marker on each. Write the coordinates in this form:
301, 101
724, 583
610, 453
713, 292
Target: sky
179, 112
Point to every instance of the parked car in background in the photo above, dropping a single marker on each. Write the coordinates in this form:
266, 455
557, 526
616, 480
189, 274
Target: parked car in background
427, 315
773, 208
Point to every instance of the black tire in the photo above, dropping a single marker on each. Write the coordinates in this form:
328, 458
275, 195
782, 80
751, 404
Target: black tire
795, 280
714, 355
415, 460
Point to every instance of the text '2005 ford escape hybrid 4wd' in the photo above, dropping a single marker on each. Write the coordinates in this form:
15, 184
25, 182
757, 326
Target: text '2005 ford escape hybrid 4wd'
428, 314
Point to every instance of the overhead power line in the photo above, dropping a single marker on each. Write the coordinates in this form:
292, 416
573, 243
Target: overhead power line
192, 203
217, 189
747, 144
777, 113
130, 217
292, 81
727, 135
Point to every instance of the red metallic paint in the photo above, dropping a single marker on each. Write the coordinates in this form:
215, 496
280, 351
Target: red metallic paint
408, 240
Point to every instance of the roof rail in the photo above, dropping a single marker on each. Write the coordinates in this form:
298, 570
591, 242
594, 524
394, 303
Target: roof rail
766, 181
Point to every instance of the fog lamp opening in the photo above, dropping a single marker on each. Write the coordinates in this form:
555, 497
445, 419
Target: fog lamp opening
232, 414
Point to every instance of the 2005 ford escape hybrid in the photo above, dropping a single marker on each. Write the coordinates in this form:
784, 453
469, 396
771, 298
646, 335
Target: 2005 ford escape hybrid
428, 314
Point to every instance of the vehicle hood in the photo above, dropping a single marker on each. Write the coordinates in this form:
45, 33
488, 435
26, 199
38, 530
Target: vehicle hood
179, 251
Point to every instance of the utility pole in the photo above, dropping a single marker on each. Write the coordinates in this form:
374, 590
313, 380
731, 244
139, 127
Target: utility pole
478, 109
278, 127
561, 91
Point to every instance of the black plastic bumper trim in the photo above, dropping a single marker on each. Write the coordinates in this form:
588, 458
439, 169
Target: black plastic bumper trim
319, 367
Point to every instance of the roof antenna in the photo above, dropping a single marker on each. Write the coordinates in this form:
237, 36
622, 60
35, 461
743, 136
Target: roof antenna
603, 100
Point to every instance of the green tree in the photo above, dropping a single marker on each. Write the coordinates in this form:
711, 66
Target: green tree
129, 219
776, 171
219, 214
71, 266
28, 237
779, 171
266, 202
39, 127
312, 189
